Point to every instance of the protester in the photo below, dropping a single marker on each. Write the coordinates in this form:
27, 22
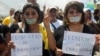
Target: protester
52, 13
89, 18
60, 14
73, 21
96, 15
17, 17
31, 15
91, 22
9, 19
6, 35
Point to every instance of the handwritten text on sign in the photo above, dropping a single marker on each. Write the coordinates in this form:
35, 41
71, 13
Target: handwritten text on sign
27, 44
78, 43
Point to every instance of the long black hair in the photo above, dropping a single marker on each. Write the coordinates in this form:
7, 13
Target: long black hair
34, 6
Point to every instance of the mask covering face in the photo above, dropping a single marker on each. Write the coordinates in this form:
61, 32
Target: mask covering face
75, 19
30, 21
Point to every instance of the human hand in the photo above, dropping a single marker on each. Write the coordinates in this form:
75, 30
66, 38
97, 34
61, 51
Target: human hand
11, 45
97, 38
8, 48
59, 52
47, 20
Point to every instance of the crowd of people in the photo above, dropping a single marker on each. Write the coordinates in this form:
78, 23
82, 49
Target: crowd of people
51, 24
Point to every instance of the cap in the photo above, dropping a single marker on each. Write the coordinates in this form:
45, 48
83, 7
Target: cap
52, 7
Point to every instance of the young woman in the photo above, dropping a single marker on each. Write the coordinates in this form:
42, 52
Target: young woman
31, 16
73, 21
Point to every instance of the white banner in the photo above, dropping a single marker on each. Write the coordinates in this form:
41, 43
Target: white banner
27, 44
78, 43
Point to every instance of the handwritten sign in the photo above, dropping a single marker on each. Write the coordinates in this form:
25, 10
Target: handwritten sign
78, 43
27, 44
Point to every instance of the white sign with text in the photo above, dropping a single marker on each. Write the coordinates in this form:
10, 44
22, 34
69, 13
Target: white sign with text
27, 44
78, 43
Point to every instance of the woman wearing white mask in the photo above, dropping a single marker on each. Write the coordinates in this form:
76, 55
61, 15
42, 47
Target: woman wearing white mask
31, 16
73, 21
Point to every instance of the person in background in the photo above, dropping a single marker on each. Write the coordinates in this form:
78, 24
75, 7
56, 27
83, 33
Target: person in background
6, 35
73, 21
90, 21
9, 19
89, 18
17, 16
21, 24
97, 14
54, 23
52, 13
60, 14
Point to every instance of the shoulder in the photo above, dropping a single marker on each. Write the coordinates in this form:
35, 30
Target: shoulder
41, 25
42, 28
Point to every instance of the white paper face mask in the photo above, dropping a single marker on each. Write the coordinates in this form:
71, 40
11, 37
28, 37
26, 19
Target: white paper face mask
75, 19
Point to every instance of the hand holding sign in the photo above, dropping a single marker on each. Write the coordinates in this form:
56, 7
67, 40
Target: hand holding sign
59, 52
11, 45
98, 39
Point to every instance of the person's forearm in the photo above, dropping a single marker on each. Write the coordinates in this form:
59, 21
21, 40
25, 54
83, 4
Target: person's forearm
51, 40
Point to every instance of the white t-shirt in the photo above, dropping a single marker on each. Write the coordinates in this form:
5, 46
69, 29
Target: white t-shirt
56, 24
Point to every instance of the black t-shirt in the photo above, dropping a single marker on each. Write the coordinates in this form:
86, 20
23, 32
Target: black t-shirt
59, 34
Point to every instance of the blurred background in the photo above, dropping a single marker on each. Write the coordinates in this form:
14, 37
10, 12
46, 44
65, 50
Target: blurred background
5, 5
